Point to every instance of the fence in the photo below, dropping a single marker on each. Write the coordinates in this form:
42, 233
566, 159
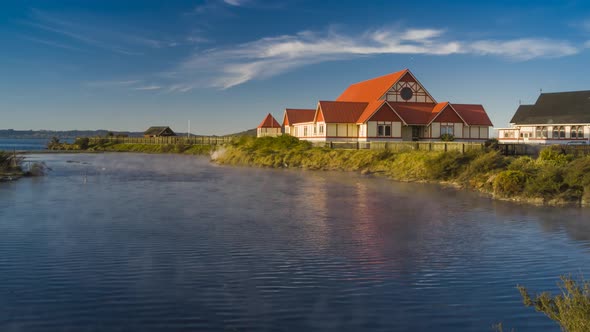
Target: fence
535, 149
195, 140
405, 146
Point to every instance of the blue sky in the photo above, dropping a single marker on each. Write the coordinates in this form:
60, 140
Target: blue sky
225, 64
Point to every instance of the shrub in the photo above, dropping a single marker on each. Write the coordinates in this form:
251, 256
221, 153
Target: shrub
554, 154
570, 309
492, 144
82, 142
509, 183
547, 183
579, 172
447, 165
447, 137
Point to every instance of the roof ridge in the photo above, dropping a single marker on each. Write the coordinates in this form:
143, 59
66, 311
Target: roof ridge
378, 77
559, 92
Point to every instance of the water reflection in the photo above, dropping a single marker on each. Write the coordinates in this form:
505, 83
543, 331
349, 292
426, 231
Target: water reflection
176, 243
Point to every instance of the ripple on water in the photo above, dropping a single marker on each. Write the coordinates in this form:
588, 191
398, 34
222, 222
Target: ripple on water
133, 242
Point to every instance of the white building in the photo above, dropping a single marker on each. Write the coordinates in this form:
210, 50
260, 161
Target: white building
269, 127
394, 107
555, 118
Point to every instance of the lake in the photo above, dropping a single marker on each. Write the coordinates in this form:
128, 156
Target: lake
28, 144
130, 242
23, 144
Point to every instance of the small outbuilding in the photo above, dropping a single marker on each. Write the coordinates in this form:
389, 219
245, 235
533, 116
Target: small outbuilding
269, 127
159, 132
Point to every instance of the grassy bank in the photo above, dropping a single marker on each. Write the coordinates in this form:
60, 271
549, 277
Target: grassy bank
553, 178
83, 144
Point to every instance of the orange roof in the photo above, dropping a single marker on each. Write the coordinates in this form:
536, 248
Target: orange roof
293, 116
474, 115
269, 122
341, 111
372, 89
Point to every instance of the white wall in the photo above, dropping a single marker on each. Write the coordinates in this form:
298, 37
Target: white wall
458, 130
435, 130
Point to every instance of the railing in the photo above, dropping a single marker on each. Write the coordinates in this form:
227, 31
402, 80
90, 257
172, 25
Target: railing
195, 140
405, 146
515, 149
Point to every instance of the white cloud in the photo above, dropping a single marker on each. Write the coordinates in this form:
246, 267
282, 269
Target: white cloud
148, 88
524, 49
112, 83
272, 56
234, 2
587, 44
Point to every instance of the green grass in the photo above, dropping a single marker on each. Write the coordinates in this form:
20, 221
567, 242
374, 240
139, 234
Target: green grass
152, 148
553, 178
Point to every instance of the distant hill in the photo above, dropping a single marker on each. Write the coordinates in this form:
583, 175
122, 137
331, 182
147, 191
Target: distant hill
249, 132
46, 134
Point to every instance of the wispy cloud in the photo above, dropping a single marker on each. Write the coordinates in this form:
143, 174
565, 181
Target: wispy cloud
236, 3
118, 41
267, 57
52, 43
112, 83
148, 88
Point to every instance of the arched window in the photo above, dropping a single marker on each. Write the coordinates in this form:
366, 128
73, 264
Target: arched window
561, 132
541, 132
574, 132
580, 131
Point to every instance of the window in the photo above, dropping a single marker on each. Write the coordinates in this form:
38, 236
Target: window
305, 131
558, 132
541, 132
577, 132
384, 130
447, 128
321, 129
315, 130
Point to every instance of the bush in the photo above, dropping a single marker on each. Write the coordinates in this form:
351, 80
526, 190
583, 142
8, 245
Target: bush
570, 309
554, 154
447, 137
492, 144
509, 183
547, 183
82, 142
447, 165
10, 162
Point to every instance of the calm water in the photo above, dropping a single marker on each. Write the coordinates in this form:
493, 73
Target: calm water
26, 144
115, 242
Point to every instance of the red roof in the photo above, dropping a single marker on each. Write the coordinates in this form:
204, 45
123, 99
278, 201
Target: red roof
359, 102
269, 122
341, 111
474, 115
372, 89
415, 113
293, 116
